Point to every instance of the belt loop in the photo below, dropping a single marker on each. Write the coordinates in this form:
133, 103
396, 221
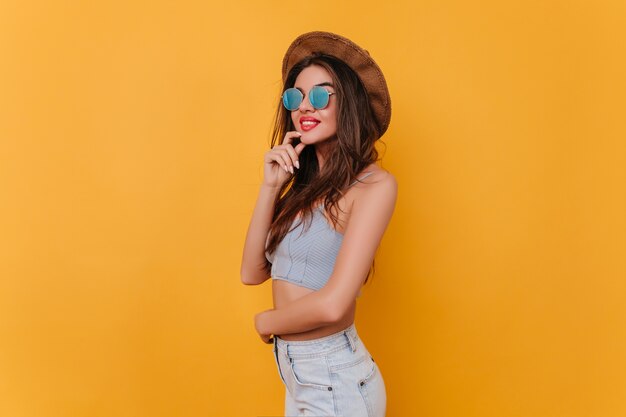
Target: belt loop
287, 349
350, 341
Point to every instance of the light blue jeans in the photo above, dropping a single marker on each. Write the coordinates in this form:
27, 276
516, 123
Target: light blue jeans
334, 376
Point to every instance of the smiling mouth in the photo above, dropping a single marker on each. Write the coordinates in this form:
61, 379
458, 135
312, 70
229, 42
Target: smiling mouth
308, 124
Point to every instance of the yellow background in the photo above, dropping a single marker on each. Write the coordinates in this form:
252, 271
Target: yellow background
131, 144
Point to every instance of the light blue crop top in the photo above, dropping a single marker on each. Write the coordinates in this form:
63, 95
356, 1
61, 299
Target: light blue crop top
308, 259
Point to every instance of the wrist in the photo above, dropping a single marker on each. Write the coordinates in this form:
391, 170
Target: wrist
271, 188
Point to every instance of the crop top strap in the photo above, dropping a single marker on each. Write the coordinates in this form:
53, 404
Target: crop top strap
364, 176
367, 174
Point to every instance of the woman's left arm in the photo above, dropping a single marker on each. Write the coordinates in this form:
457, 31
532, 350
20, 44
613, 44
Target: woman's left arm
369, 218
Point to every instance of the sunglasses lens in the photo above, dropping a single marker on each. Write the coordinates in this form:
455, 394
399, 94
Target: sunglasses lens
292, 97
319, 97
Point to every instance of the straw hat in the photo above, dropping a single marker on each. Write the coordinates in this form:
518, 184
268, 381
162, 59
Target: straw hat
352, 54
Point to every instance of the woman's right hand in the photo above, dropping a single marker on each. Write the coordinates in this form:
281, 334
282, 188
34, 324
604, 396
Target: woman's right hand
282, 160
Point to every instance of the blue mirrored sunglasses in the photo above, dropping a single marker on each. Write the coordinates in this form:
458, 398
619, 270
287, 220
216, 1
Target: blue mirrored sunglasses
318, 96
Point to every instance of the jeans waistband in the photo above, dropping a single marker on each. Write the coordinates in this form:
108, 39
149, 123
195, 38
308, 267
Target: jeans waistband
320, 346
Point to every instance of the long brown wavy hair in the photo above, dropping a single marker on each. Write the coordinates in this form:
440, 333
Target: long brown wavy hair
352, 150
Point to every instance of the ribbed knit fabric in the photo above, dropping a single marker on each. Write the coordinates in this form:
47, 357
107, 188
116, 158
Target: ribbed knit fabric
307, 258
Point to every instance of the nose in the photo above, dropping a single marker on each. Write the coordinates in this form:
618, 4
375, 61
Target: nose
306, 105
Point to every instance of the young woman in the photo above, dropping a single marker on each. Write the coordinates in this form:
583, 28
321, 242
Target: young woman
320, 215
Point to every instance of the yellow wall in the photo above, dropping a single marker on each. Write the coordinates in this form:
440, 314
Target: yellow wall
131, 144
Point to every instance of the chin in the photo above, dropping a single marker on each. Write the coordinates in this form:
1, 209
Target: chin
307, 137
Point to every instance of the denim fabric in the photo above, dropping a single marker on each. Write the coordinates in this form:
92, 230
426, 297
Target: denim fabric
331, 376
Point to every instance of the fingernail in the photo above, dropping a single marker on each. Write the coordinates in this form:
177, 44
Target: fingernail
298, 164
291, 169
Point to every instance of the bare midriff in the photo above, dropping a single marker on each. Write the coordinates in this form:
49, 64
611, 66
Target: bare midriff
284, 292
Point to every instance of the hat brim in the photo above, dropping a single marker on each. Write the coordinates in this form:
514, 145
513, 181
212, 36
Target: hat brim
355, 57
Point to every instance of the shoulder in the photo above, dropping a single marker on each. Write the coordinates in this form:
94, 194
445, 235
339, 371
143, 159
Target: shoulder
377, 179
379, 187
372, 204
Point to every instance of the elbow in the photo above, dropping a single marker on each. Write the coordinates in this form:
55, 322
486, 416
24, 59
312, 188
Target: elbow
332, 310
336, 303
252, 277
332, 316
247, 279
